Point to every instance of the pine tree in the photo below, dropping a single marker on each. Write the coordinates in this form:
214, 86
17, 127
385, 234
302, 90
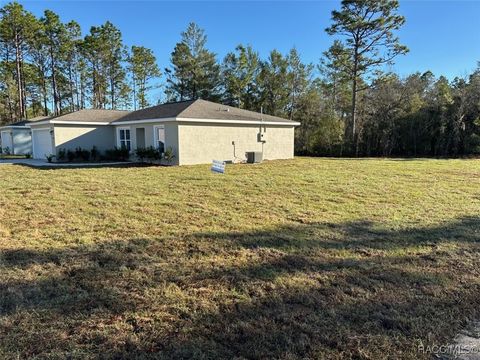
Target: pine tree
55, 34
273, 78
71, 57
16, 31
299, 81
194, 72
143, 66
240, 73
367, 28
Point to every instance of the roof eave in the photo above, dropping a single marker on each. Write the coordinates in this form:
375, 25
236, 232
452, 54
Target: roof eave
246, 122
142, 121
199, 120
60, 122
14, 127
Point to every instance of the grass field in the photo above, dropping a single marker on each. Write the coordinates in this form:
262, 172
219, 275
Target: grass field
309, 258
9, 157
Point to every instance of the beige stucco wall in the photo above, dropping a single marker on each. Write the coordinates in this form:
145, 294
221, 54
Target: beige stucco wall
192, 143
70, 137
171, 136
202, 143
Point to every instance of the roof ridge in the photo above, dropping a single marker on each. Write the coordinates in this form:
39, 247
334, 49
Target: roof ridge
95, 109
177, 102
252, 112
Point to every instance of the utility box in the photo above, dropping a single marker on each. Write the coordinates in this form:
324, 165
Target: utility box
261, 137
254, 157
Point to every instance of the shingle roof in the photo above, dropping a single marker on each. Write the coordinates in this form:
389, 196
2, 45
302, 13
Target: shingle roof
166, 110
199, 109
191, 109
38, 118
26, 122
19, 123
92, 115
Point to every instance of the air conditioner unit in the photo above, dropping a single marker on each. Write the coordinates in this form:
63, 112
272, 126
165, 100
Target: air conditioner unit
254, 157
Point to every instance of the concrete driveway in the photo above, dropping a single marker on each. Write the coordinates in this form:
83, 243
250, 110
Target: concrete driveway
30, 162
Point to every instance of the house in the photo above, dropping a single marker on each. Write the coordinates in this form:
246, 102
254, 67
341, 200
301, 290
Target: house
84, 128
197, 131
16, 138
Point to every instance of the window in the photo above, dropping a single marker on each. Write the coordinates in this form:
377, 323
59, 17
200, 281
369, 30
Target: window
160, 137
124, 139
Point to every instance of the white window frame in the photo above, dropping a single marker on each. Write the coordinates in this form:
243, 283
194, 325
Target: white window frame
155, 136
119, 141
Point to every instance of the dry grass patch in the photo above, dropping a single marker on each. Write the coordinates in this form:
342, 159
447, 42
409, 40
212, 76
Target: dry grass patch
309, 258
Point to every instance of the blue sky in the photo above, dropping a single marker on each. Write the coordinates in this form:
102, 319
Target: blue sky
443, 36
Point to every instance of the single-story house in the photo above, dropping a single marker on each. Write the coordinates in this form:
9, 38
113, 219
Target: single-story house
16, 138
197, 131
84, 128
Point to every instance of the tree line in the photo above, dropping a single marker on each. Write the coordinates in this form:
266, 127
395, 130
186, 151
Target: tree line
348, 104
48, 68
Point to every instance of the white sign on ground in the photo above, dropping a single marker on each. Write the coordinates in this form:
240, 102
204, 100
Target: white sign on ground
218, 166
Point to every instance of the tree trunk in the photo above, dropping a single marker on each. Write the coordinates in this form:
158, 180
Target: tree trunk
95, 90
134, 92
112, 90
56, 108
354, 94
24, 86
82, 92
44, 94
77, 95
21, 106
354, 106
70, 81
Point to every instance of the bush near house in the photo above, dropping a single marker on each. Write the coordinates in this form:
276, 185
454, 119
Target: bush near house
149, 154
298, 259
82, 154
93, 155
117, 154
169, 155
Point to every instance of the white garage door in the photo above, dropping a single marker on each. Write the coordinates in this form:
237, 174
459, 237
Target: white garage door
42, 143
7, 141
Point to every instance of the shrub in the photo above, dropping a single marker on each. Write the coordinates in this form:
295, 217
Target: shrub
117, 154
28, 156
151, 154
169, 155
82, 154
141, 154
61, 154
70, 155
6, 150
49, 157
94, 154
473, 144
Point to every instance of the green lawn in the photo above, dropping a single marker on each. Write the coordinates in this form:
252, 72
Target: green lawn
9, 157
309, 258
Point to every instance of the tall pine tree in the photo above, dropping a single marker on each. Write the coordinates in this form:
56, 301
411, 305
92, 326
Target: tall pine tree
194, 72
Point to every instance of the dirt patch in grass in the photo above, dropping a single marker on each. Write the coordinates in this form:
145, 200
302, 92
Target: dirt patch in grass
311, 258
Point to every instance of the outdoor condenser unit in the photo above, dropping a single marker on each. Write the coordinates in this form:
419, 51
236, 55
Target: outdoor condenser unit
254, 157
